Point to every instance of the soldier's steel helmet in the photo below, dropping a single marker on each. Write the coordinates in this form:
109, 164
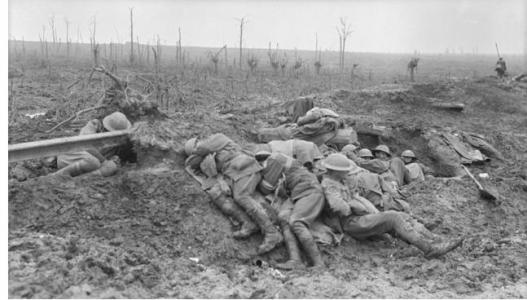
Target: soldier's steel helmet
116, 121
365, 153
383, 148
338, 162
408, 153
349, 147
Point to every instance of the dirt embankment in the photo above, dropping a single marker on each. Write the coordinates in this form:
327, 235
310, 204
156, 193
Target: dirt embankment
150, 231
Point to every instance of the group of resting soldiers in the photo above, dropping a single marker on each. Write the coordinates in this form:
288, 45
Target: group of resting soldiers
337, 189
354, 191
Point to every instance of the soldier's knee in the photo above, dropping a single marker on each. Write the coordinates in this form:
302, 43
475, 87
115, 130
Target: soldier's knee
283, 217
394, 218
227, 207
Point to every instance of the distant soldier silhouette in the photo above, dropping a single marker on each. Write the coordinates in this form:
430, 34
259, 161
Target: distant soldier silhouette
412, 67
501, 68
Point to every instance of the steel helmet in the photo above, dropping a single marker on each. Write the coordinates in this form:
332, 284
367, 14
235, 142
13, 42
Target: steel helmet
116, 121
262, 154
349, 147
383, 148
190, 145
408, 153
338, 162
365, 153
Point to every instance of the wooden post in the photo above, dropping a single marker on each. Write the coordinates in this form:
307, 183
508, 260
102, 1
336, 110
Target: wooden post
242, 21
179, 56
131, 36
68, 42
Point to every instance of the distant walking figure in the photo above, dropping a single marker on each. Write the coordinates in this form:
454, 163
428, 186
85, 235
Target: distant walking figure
501, 67
412, 66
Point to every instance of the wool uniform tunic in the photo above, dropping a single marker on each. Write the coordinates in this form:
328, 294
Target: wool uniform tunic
302, 186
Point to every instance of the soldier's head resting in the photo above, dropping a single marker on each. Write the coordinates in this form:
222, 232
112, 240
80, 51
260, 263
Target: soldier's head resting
190, 146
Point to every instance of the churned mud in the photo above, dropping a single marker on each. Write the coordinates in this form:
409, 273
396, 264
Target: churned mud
149, 231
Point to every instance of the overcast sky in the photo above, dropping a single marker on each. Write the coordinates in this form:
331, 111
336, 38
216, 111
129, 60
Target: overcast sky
394, 26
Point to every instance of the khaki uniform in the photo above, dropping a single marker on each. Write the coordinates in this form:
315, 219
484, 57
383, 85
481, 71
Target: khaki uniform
81, 162
305, 193
398, 170
345, 214
302, 186
242, 172
415, 172
240, 169
370, 186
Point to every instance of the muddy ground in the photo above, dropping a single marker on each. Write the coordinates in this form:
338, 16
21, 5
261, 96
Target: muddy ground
149, 231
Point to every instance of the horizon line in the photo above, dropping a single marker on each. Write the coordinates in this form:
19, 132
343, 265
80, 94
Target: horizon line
288, 49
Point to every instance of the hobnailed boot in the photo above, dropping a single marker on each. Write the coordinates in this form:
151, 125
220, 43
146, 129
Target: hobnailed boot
248, 227
273, 237
294, 262
442, 248
416, 234
308, 243
231, 209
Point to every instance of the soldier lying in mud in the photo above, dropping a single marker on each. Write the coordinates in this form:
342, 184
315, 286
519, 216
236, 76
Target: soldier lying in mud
242, 173
103, 162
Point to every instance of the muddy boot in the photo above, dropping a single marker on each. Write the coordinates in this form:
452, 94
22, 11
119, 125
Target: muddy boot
416, 234
308, 243
231, 209
272, 238
442, 248
294, 262
248, 227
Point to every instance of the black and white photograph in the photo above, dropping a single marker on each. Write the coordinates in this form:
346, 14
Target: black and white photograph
265, 149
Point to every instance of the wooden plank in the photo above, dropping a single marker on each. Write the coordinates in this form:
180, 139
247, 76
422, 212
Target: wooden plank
53, 147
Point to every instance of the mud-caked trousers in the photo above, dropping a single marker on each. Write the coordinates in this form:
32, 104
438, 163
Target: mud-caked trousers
306, 209
228, 207
243, 190
85, 165
402, 224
